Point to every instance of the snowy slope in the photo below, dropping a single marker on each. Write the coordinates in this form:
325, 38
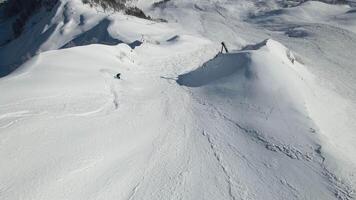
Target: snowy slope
272, 119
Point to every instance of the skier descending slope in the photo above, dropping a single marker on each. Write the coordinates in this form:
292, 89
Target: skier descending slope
118, 76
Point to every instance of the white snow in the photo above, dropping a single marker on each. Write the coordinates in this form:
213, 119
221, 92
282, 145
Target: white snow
272, 119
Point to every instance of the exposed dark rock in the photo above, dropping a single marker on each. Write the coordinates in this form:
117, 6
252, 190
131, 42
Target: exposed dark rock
134, 11
160, 4
117, 5
24, 9
27, 44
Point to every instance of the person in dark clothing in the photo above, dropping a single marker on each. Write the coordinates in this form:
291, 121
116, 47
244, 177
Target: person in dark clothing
223, 47
118, 76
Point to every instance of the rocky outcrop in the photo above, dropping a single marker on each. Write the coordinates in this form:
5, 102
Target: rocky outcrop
118, 5
23, 10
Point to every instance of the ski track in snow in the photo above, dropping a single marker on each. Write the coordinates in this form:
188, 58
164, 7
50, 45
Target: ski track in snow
220, 162
341, 190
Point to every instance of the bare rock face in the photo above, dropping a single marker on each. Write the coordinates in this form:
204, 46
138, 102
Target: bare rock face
118, 5
24, 9
113, 4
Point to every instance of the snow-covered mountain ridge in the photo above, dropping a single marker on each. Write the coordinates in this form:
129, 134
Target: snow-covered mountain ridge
272, 119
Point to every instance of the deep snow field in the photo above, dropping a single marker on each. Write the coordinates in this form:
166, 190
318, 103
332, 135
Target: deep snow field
275, 118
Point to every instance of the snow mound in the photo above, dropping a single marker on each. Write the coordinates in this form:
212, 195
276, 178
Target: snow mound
224, 65
270, 98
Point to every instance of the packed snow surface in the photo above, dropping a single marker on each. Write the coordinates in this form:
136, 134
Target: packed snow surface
275, 118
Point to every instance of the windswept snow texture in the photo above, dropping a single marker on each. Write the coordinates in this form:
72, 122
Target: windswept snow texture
274, 119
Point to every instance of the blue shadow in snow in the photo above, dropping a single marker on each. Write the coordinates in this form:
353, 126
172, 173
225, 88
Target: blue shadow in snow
223, 65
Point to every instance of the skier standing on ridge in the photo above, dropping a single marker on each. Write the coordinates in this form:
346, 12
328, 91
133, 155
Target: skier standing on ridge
223, 47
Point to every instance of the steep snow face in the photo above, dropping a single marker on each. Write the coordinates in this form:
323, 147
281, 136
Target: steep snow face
313, 37
318, 33
184, 121
265, 101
